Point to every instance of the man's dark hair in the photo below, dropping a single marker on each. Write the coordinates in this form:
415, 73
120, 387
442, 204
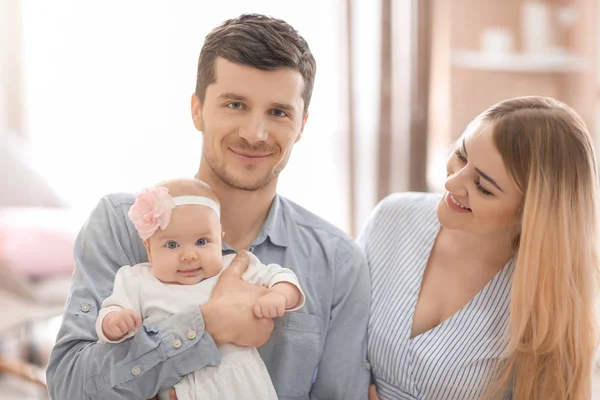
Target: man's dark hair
258, 41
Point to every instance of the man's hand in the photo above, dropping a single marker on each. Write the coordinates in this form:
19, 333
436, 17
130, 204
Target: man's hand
172, 395
270, 305
117, 324
372, 393
228, 315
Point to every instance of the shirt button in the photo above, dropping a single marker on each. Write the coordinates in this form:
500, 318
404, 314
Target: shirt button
191, 335
136, 371
177, 343
368, 366
85, 307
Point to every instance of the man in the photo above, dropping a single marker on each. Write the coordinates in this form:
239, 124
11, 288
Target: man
254, 84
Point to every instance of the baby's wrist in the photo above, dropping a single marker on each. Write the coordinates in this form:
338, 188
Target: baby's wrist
289, 291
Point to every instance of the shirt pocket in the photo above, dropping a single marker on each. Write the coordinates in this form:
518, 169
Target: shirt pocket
294, 350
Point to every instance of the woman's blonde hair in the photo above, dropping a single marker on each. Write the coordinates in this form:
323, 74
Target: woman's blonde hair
548, 151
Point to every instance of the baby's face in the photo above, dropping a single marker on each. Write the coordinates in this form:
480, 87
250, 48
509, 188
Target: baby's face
189, 249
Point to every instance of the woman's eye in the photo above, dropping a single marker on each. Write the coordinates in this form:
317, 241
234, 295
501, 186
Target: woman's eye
481, 188
460, 156
172, 245
201, 242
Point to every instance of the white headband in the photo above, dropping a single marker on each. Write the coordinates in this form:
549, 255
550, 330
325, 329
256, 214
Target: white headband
152, 209
199, 201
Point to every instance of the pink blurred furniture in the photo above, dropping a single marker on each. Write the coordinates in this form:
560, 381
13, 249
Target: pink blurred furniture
36, 240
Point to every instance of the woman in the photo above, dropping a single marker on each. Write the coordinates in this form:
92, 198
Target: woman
489, 290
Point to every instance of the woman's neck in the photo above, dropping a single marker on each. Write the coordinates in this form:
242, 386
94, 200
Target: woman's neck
492, 251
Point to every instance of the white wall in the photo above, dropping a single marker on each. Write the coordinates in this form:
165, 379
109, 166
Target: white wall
108, 87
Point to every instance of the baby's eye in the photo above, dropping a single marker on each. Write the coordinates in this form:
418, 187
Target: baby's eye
201, 242
172, 244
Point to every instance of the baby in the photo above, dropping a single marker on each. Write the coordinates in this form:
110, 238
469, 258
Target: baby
179, 222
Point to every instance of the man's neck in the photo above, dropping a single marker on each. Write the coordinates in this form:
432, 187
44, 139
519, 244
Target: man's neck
243, 213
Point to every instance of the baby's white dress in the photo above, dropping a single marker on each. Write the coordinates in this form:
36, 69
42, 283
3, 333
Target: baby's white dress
242, 373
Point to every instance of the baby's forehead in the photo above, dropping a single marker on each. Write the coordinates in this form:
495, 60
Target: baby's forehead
193, 214
189, 228
184, 187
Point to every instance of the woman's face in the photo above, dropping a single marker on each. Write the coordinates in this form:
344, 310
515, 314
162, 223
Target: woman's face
480, 198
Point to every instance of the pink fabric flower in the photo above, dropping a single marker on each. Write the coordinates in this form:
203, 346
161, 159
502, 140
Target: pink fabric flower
151, 210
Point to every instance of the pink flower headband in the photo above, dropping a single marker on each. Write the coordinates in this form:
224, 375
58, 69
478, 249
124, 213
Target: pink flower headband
153, 206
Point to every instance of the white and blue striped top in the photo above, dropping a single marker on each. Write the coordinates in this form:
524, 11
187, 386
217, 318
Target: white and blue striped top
455, 359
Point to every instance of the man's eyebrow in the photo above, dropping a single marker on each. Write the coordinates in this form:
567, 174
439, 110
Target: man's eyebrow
239, 97
282, 106
232, 96
487, 178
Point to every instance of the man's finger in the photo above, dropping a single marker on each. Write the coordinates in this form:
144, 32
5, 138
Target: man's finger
373, 393
239, 264
258, 311
172, 395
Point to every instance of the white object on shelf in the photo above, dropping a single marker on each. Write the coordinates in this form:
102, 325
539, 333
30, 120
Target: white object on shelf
535, 26
567, 16
519, 62
497, 40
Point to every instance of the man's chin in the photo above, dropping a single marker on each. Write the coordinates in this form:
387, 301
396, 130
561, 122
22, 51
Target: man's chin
246, 183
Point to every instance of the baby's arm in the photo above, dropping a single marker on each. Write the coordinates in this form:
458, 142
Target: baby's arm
117, 324
284, 293
119, 318
282, 296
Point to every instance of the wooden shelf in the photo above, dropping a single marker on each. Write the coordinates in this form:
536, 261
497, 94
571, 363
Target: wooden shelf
516, 62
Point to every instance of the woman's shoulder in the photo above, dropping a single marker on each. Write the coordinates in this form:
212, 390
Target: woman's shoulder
407, 203
401, 225
400, 213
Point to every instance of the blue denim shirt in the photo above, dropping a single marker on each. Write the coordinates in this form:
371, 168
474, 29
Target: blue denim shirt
318, 352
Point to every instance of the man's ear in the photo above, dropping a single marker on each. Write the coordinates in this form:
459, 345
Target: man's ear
147, 246
302, 127
197, 113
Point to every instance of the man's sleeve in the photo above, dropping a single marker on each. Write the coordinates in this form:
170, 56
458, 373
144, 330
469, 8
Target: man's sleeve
156, 358
343, 370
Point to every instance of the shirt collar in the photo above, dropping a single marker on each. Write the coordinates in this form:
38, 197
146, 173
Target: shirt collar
274, 227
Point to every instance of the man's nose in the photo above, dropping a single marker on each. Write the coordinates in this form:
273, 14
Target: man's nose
253, 130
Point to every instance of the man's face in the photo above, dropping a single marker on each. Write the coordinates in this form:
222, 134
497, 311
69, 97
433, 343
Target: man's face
251, 120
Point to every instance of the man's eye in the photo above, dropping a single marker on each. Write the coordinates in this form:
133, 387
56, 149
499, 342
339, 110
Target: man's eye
279, 113
201, 242
172, 245
235, 106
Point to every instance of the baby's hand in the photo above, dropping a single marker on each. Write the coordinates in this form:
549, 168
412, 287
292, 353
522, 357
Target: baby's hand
119, 323
270, 305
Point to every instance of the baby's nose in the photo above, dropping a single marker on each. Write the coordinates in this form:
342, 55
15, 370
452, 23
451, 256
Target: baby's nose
189, 256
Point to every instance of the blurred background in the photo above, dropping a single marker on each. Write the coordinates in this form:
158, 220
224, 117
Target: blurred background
95, 98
